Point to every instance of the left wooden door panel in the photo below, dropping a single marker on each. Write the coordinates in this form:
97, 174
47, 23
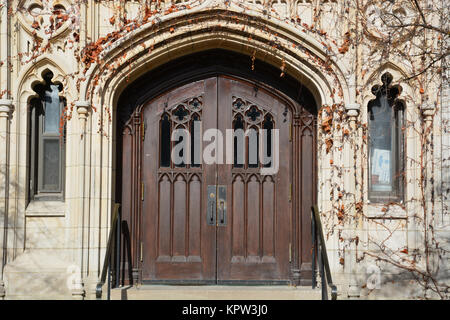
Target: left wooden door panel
177, 243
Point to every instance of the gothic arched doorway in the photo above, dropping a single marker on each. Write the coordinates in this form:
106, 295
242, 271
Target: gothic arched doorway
227, 221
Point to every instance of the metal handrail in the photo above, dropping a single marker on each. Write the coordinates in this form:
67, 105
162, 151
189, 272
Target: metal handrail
107, 261
320, 249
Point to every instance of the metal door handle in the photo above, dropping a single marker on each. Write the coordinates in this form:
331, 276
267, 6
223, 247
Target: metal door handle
222, 210
217, 201
211, 206
211, 217
222, 205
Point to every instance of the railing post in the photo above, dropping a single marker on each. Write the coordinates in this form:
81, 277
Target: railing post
118, 243
322, 275
108, 292
324, 266
107, 260
314, 248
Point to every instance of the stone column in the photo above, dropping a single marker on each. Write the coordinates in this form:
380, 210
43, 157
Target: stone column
353, 161
5, 110
428, 115
83, 108
428, 112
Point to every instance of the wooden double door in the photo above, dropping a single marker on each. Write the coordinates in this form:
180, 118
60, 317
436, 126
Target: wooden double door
217, 216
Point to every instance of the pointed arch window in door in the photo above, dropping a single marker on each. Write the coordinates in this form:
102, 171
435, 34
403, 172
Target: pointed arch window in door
253, 147
165, 134
196, 146
267, 139
238, 142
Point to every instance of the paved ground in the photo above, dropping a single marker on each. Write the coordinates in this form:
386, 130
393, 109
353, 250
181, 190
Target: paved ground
167, 292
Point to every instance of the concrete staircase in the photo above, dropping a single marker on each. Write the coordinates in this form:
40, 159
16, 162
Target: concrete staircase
174, 292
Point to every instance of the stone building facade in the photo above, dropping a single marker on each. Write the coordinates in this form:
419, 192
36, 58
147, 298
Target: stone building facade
89, 53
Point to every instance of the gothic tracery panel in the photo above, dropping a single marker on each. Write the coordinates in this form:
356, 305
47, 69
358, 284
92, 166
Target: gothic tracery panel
249, 122
253, 194
186, 117
45, 18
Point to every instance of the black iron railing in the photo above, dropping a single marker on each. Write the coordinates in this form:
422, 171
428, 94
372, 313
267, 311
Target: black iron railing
320, 257
111, 272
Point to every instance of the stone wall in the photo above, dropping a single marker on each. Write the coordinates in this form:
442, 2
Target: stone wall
96, 48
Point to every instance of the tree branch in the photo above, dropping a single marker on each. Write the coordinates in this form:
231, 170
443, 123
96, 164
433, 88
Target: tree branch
420, 11
429, 66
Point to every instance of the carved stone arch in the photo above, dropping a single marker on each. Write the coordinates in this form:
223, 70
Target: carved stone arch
34, 74
406, 94
388, 66
168, 45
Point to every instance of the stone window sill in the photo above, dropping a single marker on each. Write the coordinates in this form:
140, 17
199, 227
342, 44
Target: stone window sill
386, 211
46, 209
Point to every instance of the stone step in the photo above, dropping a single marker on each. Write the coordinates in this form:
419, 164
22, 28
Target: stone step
211, 292
38, 274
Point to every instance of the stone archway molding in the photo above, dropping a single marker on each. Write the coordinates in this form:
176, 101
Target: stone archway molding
181, 33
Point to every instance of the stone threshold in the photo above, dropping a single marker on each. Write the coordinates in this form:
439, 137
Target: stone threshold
215, 292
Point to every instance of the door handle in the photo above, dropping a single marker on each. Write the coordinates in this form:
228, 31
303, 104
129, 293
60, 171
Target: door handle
217, 201
211, 206
222, 205
211, 216
221, 211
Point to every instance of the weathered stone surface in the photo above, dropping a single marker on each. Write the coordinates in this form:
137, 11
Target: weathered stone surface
337, 50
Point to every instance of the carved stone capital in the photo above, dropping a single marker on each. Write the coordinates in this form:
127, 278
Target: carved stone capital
6, 107
83, 108
428, 113
353, 110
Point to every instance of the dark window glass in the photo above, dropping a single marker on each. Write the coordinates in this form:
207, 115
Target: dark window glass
267, 152
181, 152
238, 142
165, 142
196, 153
253, 148
180, 113
51, 165
385, 143
47, 142
253, 113
52, 110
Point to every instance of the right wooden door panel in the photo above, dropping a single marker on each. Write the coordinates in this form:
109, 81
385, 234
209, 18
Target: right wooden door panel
255, 243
